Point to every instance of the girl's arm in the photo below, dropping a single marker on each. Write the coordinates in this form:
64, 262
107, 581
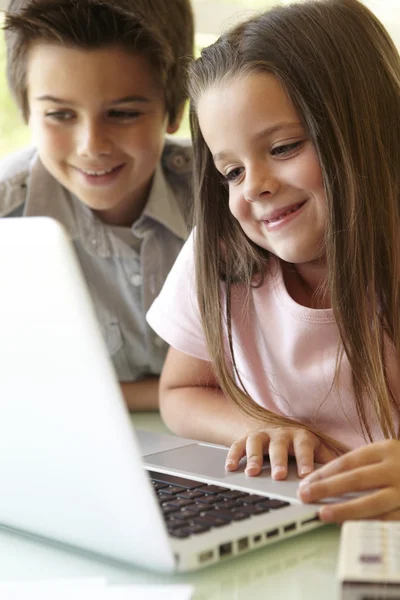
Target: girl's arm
193, 405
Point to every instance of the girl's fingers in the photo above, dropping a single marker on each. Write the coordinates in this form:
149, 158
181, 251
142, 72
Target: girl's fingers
304, 447
323, 454
370, 506
256, 444
278, 455
235, 453
352, 460
358, 480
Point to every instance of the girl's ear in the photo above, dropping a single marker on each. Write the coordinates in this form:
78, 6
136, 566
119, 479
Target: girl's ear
174, 126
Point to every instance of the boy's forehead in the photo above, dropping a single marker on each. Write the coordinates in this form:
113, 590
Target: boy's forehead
53, 67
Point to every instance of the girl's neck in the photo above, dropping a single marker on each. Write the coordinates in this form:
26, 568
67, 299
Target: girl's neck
306, 283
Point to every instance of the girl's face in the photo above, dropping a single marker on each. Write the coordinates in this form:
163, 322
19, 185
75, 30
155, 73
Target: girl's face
269, 163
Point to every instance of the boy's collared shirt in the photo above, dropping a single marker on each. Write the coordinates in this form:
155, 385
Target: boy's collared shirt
123, 278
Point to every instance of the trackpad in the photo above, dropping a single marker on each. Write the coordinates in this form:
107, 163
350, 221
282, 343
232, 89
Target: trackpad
196, 459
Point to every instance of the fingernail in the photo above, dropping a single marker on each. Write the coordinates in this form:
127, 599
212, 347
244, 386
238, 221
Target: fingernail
229, 463
305, 493
326, 513
305, 469
278, 471
252, 465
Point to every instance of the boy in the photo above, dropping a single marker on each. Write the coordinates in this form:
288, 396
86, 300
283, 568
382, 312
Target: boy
100, 83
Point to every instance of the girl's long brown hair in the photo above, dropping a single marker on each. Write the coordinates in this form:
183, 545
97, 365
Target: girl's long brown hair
342, 73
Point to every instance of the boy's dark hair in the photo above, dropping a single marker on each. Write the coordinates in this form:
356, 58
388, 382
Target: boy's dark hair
160, 30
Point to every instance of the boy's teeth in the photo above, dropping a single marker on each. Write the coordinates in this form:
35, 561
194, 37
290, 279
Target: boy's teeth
98, 173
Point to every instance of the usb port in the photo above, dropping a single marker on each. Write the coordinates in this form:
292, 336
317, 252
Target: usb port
311, 520
272, 533
206, 556
290, 527
225, 549
243, 544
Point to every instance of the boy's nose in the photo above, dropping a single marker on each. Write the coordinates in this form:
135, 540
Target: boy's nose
259, 184
93, 141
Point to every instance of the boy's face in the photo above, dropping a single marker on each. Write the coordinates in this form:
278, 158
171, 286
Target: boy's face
98, 118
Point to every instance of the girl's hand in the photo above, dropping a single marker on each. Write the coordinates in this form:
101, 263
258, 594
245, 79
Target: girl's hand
278, 442
374, 468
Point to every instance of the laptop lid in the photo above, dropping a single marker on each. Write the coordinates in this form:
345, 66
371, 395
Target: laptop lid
70, 466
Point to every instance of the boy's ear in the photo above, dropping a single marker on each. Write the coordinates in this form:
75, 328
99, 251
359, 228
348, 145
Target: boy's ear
173, 127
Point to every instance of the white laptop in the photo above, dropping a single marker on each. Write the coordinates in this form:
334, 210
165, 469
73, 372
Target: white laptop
72, 468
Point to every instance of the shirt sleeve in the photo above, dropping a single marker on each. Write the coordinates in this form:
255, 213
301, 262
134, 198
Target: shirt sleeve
174, 314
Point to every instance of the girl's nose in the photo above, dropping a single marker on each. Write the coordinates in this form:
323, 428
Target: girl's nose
259, 184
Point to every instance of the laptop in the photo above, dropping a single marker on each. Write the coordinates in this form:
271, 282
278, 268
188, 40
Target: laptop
72, 467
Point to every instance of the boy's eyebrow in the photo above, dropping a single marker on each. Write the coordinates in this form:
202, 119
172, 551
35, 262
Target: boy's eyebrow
262, 134
123, 100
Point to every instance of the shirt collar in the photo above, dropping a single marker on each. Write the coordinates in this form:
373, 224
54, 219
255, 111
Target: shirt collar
162, 206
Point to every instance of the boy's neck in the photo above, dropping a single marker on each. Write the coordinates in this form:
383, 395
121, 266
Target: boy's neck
128, 212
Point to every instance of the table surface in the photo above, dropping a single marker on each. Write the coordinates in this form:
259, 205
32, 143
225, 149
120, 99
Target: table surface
300, 568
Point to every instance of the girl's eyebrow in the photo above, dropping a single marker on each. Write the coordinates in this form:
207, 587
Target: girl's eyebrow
124, 100
262, 134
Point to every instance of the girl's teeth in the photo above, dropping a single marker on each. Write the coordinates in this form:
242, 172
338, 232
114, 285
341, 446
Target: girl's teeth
284, 214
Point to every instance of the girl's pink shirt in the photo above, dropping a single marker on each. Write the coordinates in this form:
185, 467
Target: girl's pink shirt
285, 353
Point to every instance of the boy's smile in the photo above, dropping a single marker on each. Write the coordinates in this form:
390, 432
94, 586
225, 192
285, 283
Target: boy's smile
99, 120
269, 164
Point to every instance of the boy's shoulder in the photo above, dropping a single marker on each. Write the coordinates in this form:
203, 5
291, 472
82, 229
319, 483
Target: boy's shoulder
177, 165
14, 175
177, 158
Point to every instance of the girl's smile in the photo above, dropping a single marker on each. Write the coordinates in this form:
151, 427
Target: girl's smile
261, 148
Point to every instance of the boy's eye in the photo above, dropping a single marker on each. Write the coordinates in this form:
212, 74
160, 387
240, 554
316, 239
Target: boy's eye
60, 115
123, 115
286, 149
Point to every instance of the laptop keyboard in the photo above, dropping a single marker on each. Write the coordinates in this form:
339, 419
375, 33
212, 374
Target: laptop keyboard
191, 507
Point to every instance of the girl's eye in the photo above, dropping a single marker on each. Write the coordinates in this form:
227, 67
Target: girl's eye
123, 115
286, 149
233, 174
60, 115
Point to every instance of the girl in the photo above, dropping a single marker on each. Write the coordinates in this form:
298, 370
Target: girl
288, 339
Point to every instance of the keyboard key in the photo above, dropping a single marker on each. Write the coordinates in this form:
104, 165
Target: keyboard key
174, 480
158, 486
273, 504
167, 510
253, 499
209, 521
232, 494
179, 502
195, 528
211, 489
179, 533
172, 490
247, 510
221, 514
190, 494
205, 500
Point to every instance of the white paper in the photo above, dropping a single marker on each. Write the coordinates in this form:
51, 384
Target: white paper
149, 592
94, 588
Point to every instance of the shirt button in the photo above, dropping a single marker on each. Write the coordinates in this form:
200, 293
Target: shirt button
137, 279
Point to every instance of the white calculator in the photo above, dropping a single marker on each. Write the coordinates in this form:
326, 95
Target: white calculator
369, 560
